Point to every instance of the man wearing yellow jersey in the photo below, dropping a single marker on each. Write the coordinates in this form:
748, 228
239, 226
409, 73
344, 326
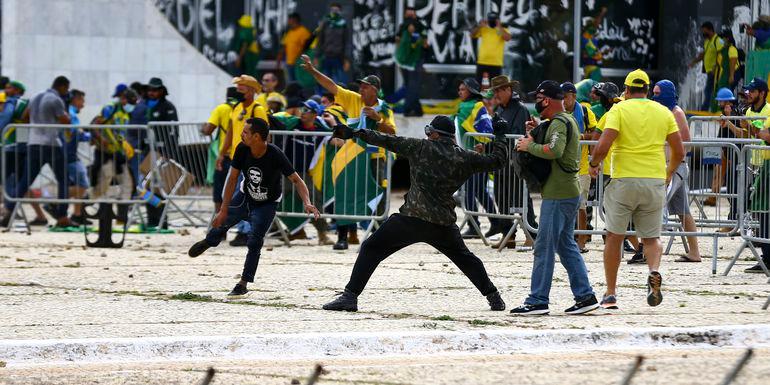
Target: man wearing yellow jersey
638, 128
246, 109
216, 127
269, 88
712, 44
492, 37
758, 203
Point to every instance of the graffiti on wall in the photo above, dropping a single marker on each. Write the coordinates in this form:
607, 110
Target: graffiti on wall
373, 32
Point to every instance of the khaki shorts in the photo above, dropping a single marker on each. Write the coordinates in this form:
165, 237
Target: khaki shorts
637, 199
585, 186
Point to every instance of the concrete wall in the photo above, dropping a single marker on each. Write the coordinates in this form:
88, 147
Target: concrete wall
99, 43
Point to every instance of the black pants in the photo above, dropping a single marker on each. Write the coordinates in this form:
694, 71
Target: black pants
400, 231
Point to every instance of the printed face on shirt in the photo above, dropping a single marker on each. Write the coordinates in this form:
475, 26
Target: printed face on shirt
255, 191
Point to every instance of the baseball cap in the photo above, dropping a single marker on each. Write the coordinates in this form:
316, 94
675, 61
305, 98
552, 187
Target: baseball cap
568, 87
637, 78
756, 84
119, 89
550, 89
371, 80
18, 84
313, 106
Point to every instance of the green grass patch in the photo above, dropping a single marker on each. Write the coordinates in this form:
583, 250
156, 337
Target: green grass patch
481, 322
443, 318
188, 296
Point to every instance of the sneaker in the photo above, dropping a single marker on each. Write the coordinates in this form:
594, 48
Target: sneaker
347, 301
239, 291
239, 240
496, 302
494, 230
198, 248
627, 247
39, 222
340, 245
584, 306
637, 259
470, 233
609, 302
755, 269
78, 220
654, 296
528, 309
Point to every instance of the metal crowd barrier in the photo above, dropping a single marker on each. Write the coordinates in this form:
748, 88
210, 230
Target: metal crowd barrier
73, 165
501, 196
180, 171
348, 180
755, 204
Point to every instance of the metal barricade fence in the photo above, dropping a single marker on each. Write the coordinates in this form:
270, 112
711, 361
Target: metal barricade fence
347, 180
72, 165
502, 195
183, 171
755, 204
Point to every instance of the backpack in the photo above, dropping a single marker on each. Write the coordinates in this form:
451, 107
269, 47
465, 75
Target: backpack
535, 170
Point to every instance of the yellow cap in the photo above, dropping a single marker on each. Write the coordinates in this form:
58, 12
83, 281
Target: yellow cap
637, 78
245, 21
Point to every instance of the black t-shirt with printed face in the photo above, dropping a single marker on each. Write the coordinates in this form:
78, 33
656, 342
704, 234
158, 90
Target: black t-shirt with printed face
261, 176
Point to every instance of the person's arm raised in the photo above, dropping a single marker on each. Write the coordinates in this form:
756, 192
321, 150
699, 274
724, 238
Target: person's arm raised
325, 82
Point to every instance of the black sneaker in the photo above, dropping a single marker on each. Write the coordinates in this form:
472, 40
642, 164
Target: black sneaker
5, 220
239, 291
654, 296
496, 302
627, 247
610, 302
340, 245
584, 306
756, 269
528, 309
494, 230
198, 248
637, 259
239, 240
347, 301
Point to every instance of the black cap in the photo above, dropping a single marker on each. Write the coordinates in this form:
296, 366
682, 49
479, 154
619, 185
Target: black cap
155, 83
443, 125
371, 80
568, 87
550, 89
493, 15
756, 84
472, 85
294, 102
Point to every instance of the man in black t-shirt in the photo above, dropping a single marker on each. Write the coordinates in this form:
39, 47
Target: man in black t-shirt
262, 165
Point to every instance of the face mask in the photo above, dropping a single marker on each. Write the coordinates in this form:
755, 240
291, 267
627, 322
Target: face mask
492, 22
667, 95
129, 108
539, 107
116, 99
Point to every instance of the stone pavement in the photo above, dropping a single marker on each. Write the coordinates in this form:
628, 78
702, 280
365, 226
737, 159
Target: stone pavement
51, 287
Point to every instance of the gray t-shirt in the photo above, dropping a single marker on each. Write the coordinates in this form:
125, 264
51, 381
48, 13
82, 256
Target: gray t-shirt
45, 108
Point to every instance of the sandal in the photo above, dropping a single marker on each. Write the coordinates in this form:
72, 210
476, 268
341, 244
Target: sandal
685, 259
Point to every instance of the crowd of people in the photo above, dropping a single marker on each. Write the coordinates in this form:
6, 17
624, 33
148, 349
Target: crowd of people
118, 153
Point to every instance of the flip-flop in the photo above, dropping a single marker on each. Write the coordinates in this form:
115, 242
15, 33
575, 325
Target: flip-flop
685, 259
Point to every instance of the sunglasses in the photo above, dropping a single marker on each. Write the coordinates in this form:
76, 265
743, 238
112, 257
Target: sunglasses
306, 110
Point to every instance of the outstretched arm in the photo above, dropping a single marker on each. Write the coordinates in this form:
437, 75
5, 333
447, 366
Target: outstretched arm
304, 194
322, 79
492, 161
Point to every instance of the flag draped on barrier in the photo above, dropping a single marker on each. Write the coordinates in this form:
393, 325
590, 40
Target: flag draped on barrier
356, 191
473, 117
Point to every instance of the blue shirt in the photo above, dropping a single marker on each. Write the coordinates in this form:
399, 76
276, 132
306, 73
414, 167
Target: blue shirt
72, 136
139, 117
579, 117
7, 115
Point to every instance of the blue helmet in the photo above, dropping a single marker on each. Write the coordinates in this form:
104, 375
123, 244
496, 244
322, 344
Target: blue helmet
725, 95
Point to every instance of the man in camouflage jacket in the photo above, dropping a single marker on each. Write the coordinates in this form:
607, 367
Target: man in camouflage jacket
438, 167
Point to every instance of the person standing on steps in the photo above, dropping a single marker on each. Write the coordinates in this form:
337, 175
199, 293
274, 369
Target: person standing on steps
261, 165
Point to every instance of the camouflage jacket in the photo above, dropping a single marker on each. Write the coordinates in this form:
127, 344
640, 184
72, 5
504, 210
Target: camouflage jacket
437, 168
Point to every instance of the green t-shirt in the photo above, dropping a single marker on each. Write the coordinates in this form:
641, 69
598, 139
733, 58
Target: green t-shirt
598, 110
560, 184
409, 50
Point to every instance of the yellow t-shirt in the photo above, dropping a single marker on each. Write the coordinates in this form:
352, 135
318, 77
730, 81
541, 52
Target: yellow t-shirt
294, 40
238, 118
761, 124
584, 151
732, 53
491, 46
220, 118
711, 48
262, 98
353, 104
642, 127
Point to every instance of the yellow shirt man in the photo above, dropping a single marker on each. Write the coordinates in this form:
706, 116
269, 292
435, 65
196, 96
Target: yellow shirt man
220, 118
238, 119
639, 153
262, 98
294, 40
354, 104
491, 46
711, 48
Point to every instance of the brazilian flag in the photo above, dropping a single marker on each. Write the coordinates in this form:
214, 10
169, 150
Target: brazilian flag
294, 150
472, 117
356, 191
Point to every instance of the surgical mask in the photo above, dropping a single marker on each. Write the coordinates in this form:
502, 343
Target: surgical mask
129, 108
116, 99
539, 107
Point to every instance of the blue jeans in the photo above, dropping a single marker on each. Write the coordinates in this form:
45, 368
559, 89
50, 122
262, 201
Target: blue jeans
37, 157
708, 93
333, 68
260, 216
556, 235
476, 186
243, 227
412, 86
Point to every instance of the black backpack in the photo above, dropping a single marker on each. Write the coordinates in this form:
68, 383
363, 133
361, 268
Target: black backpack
535, 170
